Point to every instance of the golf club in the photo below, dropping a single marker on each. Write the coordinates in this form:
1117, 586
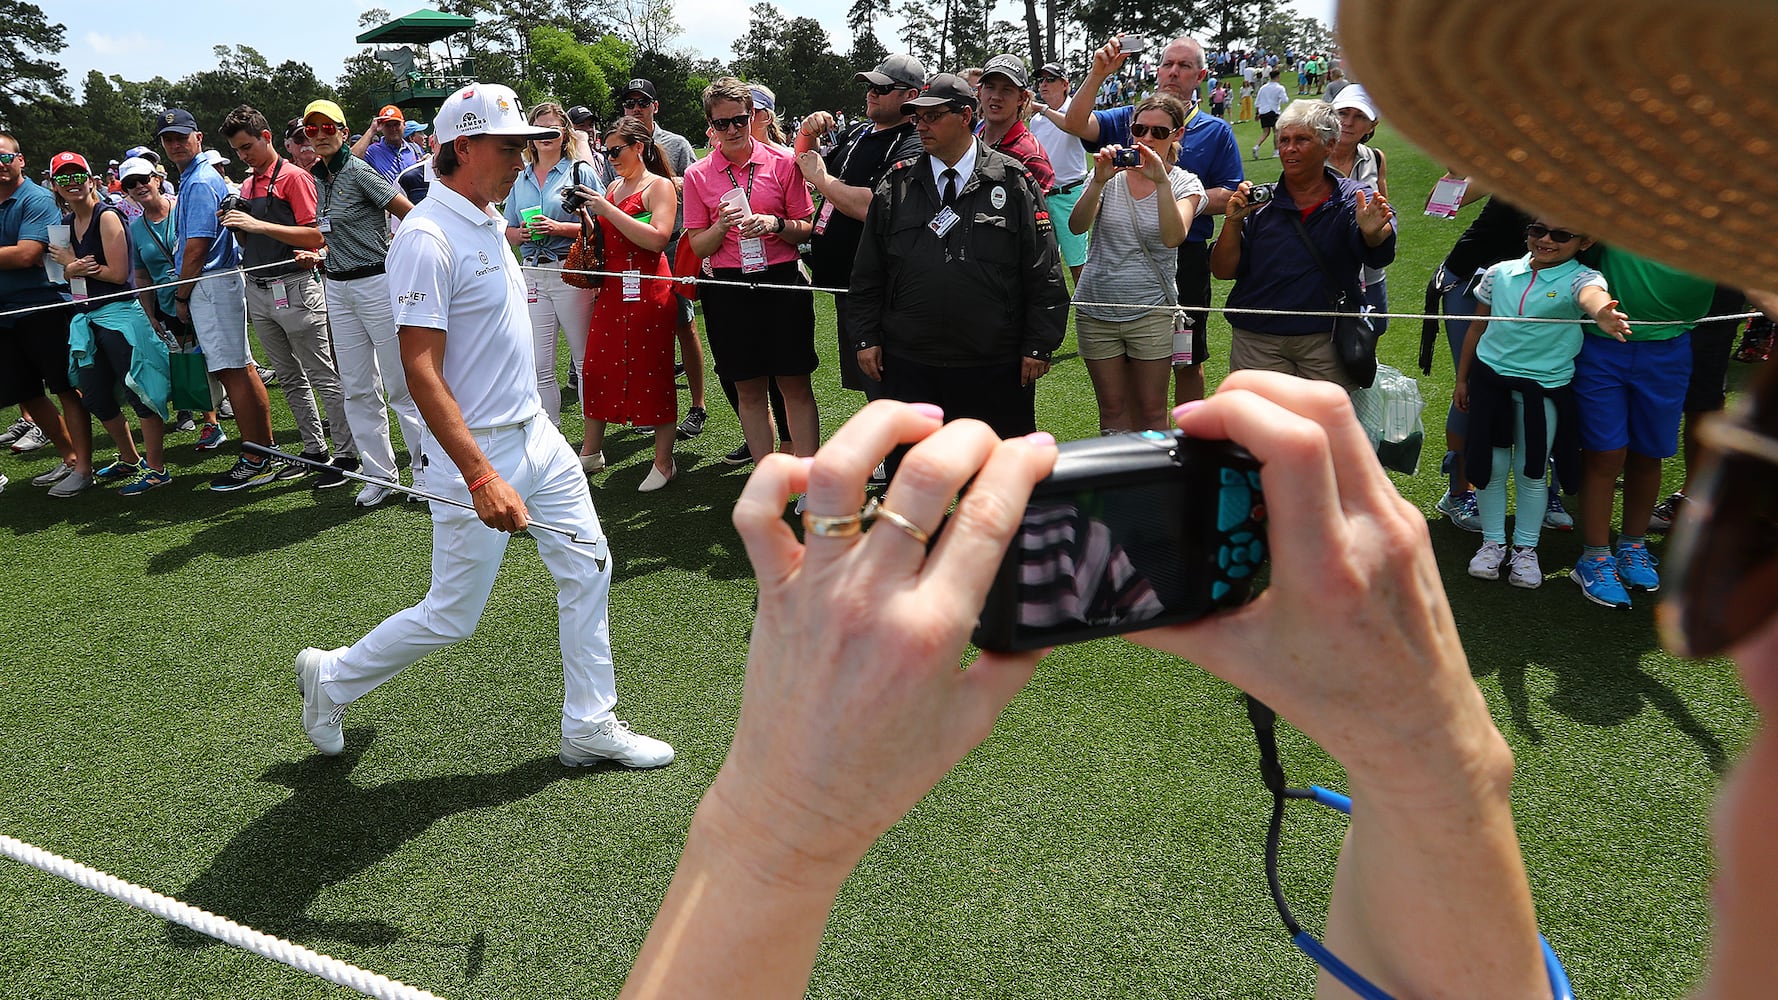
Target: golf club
599, 551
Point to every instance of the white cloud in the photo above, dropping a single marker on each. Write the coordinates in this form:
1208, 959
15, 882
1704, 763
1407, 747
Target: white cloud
117, 45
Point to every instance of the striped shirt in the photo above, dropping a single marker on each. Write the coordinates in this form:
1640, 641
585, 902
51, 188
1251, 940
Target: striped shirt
352, 199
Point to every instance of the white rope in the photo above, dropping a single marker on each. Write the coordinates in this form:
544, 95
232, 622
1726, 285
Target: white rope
1244, 311
277, 949
133, 292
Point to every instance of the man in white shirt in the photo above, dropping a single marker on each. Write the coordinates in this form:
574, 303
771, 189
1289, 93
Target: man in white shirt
459, 302
1068, 158
1268, 105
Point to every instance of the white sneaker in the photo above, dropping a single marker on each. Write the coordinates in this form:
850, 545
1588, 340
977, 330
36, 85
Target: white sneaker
1524, 570
30, 440
614, 741
321, 717
53, 476
1486, 563
372, 494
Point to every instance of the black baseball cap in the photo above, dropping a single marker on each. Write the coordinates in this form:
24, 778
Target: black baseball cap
643, 87
175, 120
898, 70
946, 88
1052, 69
580, 114
1009, 66
294, 129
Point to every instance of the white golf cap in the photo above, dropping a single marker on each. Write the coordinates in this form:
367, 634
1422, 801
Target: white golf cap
484, 109
1355, 96
135, 166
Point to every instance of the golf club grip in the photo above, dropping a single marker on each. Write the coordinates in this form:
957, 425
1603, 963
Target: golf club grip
289, 459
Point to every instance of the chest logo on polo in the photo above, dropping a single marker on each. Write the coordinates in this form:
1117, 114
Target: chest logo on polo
1549, 295
997, 197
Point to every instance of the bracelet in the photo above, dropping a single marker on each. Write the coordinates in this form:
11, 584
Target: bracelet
182, 298
484, 480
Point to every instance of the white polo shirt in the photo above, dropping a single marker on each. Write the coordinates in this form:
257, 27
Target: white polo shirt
451, 269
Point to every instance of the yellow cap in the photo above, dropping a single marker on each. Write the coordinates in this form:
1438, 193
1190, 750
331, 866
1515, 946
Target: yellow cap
328, 108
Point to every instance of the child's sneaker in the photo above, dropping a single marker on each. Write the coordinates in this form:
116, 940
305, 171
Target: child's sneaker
211, 438
1461, 509
1485, 565
1666, 512
151, 478
1523, 569
120, 469
1636, 567
1556, 516
1598, 580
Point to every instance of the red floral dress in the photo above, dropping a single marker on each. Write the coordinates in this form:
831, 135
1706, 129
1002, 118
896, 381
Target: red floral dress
627, 377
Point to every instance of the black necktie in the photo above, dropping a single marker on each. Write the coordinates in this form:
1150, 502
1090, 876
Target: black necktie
950, 196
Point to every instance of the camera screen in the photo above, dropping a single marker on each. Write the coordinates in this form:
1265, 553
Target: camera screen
1111, 557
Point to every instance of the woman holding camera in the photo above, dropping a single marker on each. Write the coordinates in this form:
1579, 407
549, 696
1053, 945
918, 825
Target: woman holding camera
1129, 348
628, 373
543, 228
1299, 251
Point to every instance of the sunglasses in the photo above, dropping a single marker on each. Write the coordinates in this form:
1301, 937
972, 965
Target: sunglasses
135, 182
69, 180
1538, 232
325, 128
1051, 79
616, 151
9, 157
1723, 560
1151, 131
728, 124
632, 103
936, 115
884, 89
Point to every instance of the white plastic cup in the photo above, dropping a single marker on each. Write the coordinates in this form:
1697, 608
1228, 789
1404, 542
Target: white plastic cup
733, 196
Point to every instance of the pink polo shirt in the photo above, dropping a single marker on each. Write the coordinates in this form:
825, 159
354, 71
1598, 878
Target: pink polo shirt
776, 188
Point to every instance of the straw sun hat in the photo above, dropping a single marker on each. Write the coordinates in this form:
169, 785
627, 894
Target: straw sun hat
1648, 125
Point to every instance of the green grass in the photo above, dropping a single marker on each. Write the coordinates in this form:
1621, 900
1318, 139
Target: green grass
1105, 842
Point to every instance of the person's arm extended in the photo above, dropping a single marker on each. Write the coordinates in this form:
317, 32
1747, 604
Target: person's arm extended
1604, 311
422, 358
1472, 339
1079, 121
300, 237
847, 199
364, 141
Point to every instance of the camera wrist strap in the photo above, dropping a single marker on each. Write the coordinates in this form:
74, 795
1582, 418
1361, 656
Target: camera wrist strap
1271, 772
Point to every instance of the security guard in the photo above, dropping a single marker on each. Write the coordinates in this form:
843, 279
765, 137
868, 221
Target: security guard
957, 296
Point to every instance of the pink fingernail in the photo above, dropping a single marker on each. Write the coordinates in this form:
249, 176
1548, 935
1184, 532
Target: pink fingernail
928, 410
1042, 439
1183, 408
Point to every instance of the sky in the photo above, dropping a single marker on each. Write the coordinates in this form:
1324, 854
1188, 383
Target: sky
321, 32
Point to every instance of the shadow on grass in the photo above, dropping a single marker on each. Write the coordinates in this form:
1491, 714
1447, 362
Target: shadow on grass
331, 829
1594, 652
685, 525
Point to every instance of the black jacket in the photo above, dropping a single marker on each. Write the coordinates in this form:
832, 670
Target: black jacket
990, 290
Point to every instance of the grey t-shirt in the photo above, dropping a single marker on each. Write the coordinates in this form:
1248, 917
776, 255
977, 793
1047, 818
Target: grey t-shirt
678, 153
352, 200
1126, 230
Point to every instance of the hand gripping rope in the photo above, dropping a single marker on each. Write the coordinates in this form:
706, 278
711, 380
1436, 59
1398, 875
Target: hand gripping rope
221, 928
600, 555
1272, 773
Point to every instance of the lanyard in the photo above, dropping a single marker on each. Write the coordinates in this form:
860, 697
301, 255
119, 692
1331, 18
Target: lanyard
163, 242
271, 181
736, 183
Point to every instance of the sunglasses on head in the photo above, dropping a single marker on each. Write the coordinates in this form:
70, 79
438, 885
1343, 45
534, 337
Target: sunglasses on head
9, 157
729, 124
71, 179
325, 128
632, 103
616, 151
1151, 131
1538, 232
1722, 563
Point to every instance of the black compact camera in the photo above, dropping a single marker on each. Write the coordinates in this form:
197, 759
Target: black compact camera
1131, 157
572, 199
1259, 194
1130, 531
231, 203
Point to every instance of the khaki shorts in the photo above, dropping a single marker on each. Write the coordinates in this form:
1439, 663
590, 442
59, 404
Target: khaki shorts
1147, 339
1309, 356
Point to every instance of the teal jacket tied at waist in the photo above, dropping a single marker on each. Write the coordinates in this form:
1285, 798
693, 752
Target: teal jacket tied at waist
151, 374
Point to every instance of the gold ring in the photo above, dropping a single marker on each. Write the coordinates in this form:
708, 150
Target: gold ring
877, 509
843, 526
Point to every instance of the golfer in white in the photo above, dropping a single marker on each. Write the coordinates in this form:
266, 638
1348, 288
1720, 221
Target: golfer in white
459, 301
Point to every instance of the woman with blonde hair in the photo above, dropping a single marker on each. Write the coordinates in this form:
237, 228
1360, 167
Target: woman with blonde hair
543, 229
628, 376
766, 127
1139, 216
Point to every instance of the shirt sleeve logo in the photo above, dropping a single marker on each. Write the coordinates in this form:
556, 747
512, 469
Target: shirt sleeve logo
410, 298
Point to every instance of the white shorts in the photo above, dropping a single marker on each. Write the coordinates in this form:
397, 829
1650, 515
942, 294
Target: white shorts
219, 318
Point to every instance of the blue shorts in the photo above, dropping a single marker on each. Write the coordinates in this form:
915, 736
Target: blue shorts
1632, 395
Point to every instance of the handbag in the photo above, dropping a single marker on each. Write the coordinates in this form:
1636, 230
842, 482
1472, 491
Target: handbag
191, 380
1354, 337
687, 264
587, 252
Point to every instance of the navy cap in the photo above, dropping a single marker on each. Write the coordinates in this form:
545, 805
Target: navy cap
946, 88
175, 120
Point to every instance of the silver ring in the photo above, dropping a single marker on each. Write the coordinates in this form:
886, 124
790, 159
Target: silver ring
827, 526
877, 509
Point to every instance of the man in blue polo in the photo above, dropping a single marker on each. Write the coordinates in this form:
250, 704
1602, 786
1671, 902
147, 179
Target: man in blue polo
1207, 149
216, 307
384, 145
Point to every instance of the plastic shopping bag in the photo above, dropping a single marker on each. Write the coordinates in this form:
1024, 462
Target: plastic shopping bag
1390, 412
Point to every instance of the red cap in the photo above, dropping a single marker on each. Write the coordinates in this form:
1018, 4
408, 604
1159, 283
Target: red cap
61, 160
391, 112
